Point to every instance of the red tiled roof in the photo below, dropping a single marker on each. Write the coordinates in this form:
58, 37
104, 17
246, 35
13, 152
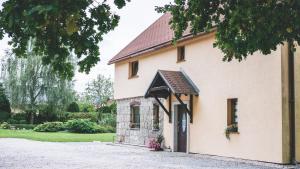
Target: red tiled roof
177, 81
157, 34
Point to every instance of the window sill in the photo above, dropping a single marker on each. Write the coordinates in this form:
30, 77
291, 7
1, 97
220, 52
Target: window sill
134, 128
179, 61
234, 132
133, 77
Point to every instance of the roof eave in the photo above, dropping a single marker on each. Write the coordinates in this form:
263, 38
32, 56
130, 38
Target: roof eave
159, 46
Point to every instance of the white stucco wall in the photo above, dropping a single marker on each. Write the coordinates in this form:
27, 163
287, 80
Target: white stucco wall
256, 82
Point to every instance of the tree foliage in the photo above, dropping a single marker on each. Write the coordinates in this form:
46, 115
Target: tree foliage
99, 90
31, 84
4, 105
242, 27
73, 107
60, 28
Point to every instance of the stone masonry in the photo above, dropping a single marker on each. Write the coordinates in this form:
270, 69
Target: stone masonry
140, 136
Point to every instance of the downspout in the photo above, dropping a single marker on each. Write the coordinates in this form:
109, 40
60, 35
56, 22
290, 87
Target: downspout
291, 72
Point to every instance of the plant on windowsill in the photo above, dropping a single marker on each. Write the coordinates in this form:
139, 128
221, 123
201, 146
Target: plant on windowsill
134, 126
155, 127
231, 129
155, 144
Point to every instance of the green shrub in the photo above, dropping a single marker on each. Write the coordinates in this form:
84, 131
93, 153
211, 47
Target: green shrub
24, 126
81, 126
50, 127
86, 107
23, 121
4, 105
19, 118
105, 129
12, 121
73, 107
101, 129
63, 116
109, 120
5, 125
89, 115
110, 129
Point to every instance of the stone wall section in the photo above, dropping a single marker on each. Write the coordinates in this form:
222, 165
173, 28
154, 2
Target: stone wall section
140, 136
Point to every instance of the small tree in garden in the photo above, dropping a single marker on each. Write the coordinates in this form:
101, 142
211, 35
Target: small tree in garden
4, 105
73, 107
99, 90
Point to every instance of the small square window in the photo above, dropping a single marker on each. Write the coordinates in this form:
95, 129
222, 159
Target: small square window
180, 54
133, 69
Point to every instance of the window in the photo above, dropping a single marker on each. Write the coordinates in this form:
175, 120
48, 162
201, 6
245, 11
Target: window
133, 69
232, 118
180, 54
134, 116
155, 117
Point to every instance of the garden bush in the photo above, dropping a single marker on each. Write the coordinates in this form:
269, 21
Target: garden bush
5, 110
88, 115
45, 115
73, 107
50, 127
104, 129
81, 126
19, 118
24, 126
12, 121
5, 125
110, 129
109, 120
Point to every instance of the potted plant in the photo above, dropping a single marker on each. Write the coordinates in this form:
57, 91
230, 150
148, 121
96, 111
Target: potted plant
231, 129
155, 144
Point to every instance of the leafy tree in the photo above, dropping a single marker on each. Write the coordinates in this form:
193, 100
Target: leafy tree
99, 90
73, 107
30, 84
60, 28
86, 107
242, 27
4, 105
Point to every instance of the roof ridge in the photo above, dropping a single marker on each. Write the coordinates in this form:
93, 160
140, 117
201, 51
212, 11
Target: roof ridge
143, 32
158, 33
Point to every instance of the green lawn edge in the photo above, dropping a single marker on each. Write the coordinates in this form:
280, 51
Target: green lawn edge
57, 136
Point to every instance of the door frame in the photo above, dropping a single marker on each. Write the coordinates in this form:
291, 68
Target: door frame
174, 127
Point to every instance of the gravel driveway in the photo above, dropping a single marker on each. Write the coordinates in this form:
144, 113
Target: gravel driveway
27, 154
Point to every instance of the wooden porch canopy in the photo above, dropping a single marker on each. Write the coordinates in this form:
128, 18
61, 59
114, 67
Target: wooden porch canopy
166, 83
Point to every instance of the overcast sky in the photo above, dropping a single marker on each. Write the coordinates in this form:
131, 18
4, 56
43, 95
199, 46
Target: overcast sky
136, 16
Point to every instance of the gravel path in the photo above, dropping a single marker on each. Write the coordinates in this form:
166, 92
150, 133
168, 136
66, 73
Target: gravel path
27, 154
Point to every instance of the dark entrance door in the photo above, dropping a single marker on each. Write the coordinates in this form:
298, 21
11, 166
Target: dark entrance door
182, 129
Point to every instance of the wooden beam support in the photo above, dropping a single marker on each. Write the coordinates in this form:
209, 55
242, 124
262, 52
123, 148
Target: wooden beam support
191, 108
163, 107
170, 107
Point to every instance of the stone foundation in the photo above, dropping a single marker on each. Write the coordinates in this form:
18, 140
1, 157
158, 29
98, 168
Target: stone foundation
140, 136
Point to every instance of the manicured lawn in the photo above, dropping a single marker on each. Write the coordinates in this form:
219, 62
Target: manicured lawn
56, 136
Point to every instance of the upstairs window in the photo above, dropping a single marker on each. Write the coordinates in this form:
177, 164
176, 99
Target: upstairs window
133, 69
181, 54
232, 118
134, 116
155, 117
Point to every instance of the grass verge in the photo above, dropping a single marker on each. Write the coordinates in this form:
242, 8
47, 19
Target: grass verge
56, 136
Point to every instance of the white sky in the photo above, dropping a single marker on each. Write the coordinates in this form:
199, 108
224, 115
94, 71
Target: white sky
136, 16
